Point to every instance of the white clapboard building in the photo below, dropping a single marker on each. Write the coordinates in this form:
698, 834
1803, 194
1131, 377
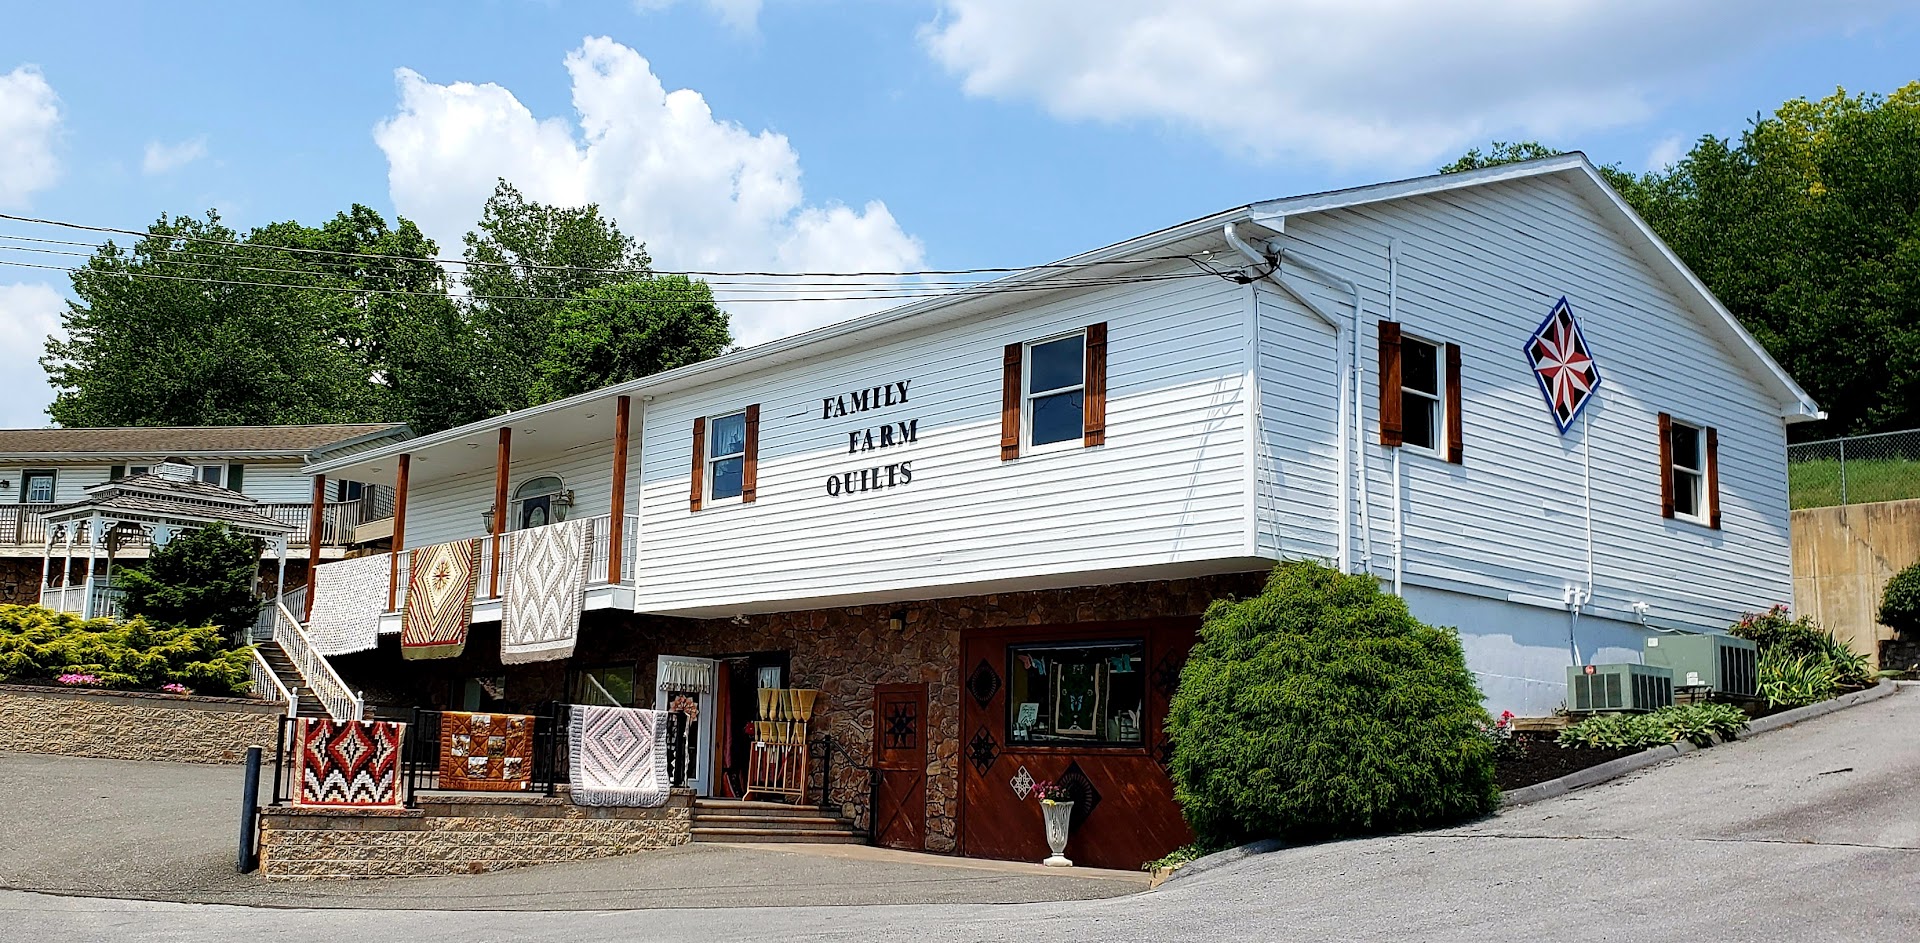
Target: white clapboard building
1497, 392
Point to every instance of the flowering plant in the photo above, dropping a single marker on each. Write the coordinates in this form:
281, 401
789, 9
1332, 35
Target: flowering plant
176, 688
686, 705
76, 679
1047, 790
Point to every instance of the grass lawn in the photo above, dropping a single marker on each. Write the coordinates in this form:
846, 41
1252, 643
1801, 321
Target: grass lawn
1817, 484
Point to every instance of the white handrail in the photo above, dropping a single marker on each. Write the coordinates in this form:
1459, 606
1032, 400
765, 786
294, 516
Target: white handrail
340, 701
263, 672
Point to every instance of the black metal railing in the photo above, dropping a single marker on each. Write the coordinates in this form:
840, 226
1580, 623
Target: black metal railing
420, 754
829, 745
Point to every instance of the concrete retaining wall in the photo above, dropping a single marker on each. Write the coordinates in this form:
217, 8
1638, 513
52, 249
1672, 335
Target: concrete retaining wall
1842, 559
133, 726
460, 835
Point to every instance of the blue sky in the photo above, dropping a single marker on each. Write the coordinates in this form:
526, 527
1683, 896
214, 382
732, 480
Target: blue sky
828, 135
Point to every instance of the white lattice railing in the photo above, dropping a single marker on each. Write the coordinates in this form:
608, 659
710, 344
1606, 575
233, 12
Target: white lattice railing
596, 560
340, 701
267, 686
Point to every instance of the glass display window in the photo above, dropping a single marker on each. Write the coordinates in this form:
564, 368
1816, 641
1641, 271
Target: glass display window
1077, 694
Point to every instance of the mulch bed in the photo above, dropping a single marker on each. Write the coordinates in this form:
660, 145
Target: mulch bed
1531, 758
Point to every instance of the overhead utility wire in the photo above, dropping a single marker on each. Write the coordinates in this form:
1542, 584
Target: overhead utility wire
581, 268
984, 288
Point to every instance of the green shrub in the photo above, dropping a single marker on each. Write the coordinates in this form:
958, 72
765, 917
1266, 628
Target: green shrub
1790, 680
1322, 708
1800, 663
1900, 603
39, 645
201, 577
1699, 724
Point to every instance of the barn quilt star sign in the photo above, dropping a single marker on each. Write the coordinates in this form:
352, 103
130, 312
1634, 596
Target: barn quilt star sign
1563, 365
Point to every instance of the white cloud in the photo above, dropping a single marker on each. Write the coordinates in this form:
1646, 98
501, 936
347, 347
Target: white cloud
28, 313
166, 158
702, 193
1399, 83
29, 128
1666, 152
742, 15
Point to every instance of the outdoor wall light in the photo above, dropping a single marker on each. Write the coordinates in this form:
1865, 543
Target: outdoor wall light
898, 621
486, 519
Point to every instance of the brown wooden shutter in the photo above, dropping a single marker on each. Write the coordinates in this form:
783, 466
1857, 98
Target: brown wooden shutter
1096, 402
1713, 478
699, 462
1455, 425
1010, 402
1666, 465
750, 466
1392, 430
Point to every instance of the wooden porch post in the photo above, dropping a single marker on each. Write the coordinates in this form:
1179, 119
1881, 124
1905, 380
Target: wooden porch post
500, 460
399, 530
314, 516
617, 520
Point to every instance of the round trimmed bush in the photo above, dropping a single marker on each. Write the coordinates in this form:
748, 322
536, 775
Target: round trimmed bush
1900, 603
1322, 708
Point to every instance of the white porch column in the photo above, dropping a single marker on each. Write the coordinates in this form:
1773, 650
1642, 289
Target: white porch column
86, 587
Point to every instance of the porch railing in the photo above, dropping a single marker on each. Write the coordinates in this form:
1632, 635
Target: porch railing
21, 526
267, 686
596, 559
340, 701
93, 598
295, 601
337, 520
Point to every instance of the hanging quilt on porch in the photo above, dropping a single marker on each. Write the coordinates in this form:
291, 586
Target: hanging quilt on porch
347, 762
618, 756
540, 616
348, 598
440, 585
485, 752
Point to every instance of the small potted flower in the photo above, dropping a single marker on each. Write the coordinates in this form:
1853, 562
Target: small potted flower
1056, 805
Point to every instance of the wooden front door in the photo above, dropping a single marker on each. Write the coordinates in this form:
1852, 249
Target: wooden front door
900, 765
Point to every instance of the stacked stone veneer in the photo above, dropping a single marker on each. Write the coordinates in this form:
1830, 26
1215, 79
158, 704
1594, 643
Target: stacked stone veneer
843, 651
460, 835
134, 726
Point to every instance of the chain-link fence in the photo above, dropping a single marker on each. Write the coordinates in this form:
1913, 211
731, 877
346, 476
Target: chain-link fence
1858, 469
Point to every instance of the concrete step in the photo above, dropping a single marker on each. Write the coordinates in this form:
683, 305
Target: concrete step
838, 836
737, 807
802, 822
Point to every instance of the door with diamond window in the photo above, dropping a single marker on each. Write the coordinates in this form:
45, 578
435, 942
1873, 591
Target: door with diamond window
900, 766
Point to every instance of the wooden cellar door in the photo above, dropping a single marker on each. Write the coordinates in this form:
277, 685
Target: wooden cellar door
900, 766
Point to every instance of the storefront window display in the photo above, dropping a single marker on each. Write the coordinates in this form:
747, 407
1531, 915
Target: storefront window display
1086, 694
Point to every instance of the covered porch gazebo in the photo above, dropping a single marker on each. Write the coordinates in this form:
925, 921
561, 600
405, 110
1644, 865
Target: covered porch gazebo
139, 511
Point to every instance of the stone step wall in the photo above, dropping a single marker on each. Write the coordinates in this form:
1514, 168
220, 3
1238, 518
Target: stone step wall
460, 835
123, 725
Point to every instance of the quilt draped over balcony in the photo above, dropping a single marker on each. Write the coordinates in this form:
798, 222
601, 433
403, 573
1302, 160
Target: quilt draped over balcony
441, 582
618, 756
347, 762
540, 617
348, 597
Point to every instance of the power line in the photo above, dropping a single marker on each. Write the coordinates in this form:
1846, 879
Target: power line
363, 256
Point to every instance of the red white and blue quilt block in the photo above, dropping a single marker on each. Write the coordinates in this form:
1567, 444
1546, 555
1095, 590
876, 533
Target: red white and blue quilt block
1564, 365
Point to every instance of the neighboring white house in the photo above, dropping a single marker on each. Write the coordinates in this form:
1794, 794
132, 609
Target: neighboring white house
1186, 405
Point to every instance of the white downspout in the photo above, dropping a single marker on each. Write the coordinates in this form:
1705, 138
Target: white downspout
1274, 275
1399, 514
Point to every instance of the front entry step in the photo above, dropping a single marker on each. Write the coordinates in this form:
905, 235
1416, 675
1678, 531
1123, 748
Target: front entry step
724, 820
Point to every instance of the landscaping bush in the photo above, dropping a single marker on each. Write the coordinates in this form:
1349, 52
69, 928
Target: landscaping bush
1699, 724
1321, 708
201, 577
1900, 603
1800, 663
40, 645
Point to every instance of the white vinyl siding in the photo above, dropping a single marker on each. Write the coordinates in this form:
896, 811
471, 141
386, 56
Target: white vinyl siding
440, 509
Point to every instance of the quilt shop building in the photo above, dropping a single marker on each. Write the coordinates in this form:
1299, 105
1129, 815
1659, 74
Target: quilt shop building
985, 526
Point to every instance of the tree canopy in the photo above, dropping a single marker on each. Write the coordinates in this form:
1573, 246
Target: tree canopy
628, 330
1808, 229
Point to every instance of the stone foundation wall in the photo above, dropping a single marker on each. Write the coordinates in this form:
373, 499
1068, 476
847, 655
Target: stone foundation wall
460, 835
134, 726
844, 652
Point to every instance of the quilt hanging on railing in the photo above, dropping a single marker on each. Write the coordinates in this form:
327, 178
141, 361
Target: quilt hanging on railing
540, 617
485, 752
440, 585
348, 597
618, 756
347, 762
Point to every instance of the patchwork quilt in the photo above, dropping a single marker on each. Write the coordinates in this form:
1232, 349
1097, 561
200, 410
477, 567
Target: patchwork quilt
441, 583
485, 752
348, 597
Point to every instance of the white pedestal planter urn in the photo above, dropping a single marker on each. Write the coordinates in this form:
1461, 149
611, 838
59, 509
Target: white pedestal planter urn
1059, 816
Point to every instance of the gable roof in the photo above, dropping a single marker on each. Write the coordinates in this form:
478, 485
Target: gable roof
1203, 233
160, 441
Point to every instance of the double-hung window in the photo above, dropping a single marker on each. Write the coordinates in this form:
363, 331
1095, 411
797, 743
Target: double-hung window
213, 474
727, 456
36, 487
1422, 406
1690, 472
1056, 389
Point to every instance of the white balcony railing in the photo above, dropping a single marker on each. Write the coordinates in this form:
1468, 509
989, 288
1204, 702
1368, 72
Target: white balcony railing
596, 566
340, 701
21, 525
92, 598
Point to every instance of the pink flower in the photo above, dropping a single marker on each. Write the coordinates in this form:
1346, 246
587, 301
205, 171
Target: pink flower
175, 688
77, 679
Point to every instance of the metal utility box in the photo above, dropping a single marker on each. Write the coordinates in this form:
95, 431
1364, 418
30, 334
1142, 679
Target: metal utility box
1721, 664
1620, 687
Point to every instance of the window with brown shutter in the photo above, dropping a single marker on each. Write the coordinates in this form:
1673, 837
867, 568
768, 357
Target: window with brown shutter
1096, 407
1713, 478
1010, 402
750, 472
1389, 389
1690, 471
699, 462
1666, 465
1455, 424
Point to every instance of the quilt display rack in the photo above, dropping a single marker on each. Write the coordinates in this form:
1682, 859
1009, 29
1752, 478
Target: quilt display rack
777, 760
